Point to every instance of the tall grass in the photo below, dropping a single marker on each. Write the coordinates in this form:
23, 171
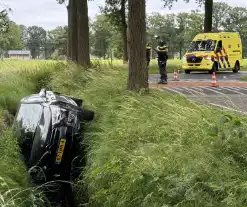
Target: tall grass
158, 149
142, 150
15, 189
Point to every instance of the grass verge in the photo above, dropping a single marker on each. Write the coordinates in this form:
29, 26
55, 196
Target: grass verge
143, 150
15, 188
158, 149
244, 78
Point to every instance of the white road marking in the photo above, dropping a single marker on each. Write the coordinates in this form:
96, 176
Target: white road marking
208, 88
231, 109
174, 90
199, 89
241, 88
195, 91
185, 90
236, 88
231, 89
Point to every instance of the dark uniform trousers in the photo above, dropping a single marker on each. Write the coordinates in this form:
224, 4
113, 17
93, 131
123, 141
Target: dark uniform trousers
162, 60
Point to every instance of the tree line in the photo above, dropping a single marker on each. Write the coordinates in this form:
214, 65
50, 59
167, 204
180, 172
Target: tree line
111, 30
176, 29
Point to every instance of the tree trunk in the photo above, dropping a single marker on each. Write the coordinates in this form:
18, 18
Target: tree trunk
69, 40
83, 33
208, 21
138, 72
124, 31
74, 30
180, 51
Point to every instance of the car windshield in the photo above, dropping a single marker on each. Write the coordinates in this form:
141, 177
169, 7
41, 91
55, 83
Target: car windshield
27, 119
202, 45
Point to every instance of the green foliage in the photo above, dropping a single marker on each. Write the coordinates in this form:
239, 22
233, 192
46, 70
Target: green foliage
169, 3
219, 20
177, 30
4, 21
57, 39
112, 10
143, 150
11, 39
102, 36
15, 189
20, 83
36, 40
24, 35
14, 181
157, 149
9, 33
236, 20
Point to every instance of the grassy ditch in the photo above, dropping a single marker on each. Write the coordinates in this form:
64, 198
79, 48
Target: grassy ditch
158, 149
142, 150
15, 189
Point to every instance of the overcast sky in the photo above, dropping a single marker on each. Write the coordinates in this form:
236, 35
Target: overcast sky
48, 14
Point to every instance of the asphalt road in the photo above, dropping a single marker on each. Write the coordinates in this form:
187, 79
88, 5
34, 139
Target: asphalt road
203, 76
227, 97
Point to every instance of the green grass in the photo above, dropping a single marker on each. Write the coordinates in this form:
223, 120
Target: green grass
244, 78
244, 68
157, 149
15, 189
142, 150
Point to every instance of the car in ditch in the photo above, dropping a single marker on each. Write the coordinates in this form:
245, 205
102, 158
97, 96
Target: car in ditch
49, 128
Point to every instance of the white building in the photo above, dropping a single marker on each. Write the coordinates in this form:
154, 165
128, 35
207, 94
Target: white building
19, 54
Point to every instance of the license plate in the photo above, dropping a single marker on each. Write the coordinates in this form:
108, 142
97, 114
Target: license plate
60, 151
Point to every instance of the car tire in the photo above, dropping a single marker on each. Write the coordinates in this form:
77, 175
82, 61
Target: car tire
187, 71
236, 67
86, 115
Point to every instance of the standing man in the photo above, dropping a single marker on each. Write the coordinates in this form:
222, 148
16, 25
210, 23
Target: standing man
162, 51
148, 53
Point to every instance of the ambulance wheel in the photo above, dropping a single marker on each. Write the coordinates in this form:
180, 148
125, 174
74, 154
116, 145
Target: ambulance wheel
187, 71
236, 67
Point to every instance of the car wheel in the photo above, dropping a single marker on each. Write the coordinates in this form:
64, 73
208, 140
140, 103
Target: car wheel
236, 67
187, 71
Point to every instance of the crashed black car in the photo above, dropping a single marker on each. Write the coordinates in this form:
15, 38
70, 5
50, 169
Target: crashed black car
49, 129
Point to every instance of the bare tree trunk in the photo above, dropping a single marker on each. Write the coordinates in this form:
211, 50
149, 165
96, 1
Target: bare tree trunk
74, 30
208, 21
69, 40
83, 33
180, 51
124, 31
138, 72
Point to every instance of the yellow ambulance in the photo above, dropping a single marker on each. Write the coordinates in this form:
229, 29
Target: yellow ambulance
214, 52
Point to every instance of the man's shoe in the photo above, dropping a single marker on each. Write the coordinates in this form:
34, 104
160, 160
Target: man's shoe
162, 82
